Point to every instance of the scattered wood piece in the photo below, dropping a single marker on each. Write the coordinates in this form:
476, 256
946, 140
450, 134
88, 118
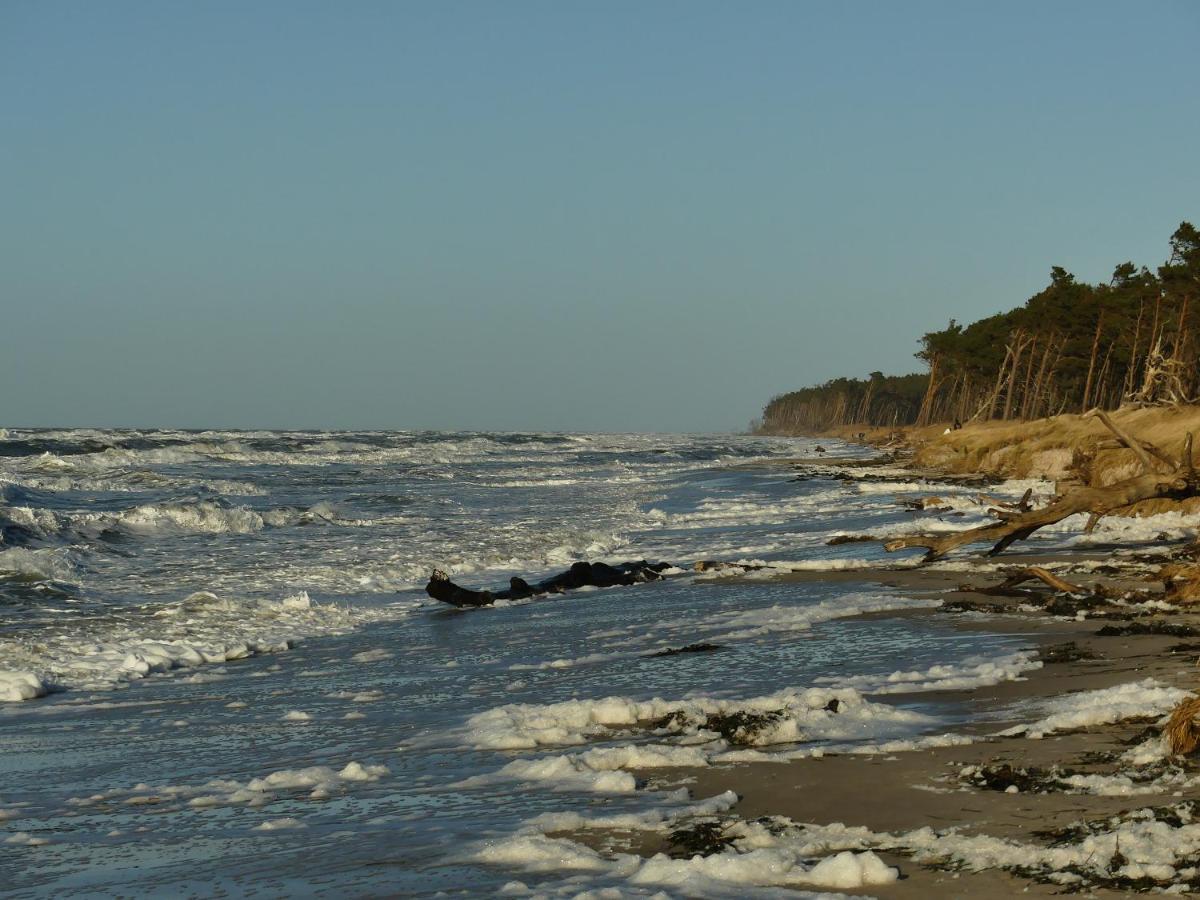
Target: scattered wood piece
1032, 573
1181, 583
1183, 731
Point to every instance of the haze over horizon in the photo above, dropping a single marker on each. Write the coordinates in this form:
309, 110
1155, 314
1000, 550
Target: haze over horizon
543, 216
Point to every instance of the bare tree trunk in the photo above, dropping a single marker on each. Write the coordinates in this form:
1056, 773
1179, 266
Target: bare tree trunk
1021, 344
1131, 372
1087, 387
1036, 398
1180, 482
927, 400
1028, 378
1180, 334
999, 381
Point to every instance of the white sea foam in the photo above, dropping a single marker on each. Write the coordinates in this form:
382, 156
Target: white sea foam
286, 824
20, 686
972, 672
203, 628
54, 564
600, 770
780, 853
1101, 707
698, 876
320, 782
795, 715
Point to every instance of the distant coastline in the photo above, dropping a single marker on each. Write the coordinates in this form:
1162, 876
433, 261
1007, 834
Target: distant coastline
1070, 347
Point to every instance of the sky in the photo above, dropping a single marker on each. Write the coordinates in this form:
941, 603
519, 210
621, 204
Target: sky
616, 216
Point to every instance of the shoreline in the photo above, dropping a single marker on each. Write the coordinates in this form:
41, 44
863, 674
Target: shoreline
906, 790
898, 792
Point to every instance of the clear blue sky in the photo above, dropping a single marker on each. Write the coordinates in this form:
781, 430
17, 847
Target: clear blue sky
565, 215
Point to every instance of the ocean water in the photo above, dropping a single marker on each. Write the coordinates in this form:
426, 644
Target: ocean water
219, 673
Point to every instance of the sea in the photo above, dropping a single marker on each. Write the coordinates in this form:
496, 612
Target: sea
220, 674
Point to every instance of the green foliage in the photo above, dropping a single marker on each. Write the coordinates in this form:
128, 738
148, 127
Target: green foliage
1069, 347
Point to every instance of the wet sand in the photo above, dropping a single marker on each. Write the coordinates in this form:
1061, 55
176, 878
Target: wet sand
904, 791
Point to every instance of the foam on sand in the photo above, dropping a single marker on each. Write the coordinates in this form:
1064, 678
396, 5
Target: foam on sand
699, 876
1101, 707
789, 716
1157, 846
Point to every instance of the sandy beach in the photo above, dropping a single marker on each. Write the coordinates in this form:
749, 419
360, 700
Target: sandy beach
1023, 790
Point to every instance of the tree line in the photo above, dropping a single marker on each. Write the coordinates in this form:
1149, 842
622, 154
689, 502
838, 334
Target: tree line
1070, 347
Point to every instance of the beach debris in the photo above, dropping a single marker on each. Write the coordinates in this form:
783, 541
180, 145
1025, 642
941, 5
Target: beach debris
581, 574
1031, 573
712, 565
1159, 477
698, 838
1002, 508
1183, 731
690, 648
925, 504
1065, 653
741, 727
1008, 779
1156, 626
1068, 600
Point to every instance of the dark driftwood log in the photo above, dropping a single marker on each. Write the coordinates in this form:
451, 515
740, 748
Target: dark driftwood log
1004, 510
1177, 484
581, 574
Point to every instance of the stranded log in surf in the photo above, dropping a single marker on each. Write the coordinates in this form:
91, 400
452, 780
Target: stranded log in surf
581, 574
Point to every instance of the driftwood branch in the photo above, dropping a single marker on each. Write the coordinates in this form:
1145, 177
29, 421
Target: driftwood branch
1179, 482
1008, 586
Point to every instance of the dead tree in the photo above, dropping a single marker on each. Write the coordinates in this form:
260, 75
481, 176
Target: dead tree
1160, 477
1163, 382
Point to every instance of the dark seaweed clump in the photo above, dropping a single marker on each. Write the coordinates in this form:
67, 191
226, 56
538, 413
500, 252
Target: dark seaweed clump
1065, 653
1158, 626
690, 648
701, 838
737, 727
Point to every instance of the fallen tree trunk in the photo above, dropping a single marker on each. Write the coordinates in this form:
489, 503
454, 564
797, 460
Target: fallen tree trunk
1177, 484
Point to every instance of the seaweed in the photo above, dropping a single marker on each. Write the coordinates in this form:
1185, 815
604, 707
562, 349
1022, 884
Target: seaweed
1032, 780
739, 727
700, 838
1065, 653
1158, 626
